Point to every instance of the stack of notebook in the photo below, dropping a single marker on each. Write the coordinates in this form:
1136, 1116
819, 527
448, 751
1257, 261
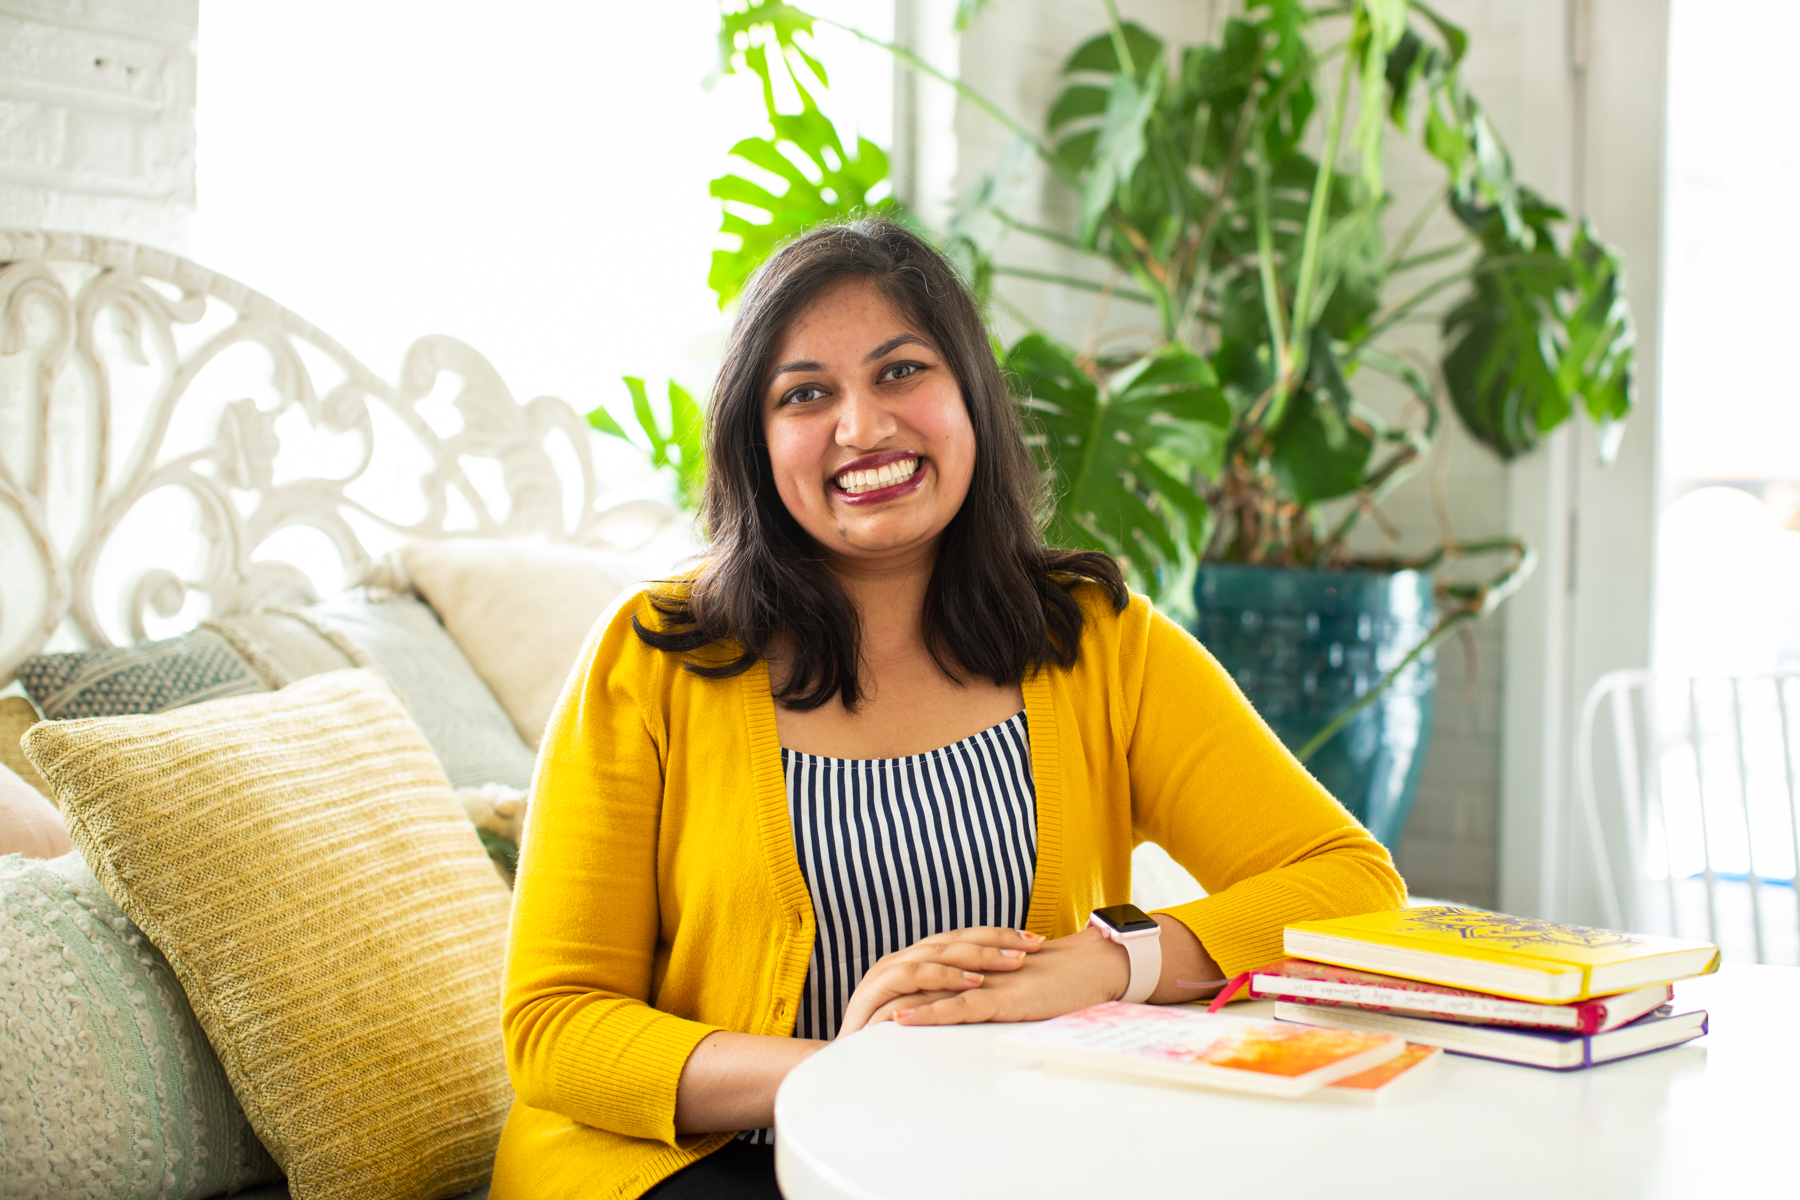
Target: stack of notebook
1562, 997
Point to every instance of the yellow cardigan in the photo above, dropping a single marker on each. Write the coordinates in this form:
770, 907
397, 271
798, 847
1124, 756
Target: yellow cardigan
660, 898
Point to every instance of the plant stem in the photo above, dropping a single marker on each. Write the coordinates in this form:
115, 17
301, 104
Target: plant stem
1120, 46
1049, 235
1399, 311
962, 89
1315, 217
1073, 281
1240, 138
1416, 226
1444, 629
1425, 258
1474, 601
1271, 284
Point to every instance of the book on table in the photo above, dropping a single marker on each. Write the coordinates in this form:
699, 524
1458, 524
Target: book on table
1516, 957
1298, 981
1184, 1045
1657, 1030
1396, 1078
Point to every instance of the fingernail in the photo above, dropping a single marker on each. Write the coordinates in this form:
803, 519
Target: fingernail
1031, 937
1012, 954
971, 976
902, 1014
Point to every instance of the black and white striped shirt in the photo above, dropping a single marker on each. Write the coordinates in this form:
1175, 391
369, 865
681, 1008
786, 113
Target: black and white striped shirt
897, 849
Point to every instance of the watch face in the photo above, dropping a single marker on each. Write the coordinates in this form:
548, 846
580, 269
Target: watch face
1126, 918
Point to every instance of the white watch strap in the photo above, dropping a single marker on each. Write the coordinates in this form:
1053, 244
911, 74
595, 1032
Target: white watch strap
1146, 966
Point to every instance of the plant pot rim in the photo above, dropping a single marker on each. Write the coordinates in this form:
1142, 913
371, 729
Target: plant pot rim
1274, 567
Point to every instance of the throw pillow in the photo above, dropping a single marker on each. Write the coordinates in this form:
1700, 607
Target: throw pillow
146, 678
404, 640
17, 714
29, 823
300, 860
498, 814
521, 611
107, 1085
258, 651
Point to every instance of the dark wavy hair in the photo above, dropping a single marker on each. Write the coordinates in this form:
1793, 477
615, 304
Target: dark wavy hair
999, 601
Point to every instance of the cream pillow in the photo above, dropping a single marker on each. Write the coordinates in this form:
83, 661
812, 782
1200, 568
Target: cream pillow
520, 611
299, 859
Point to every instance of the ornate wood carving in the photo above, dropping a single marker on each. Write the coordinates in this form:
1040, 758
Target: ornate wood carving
79, 314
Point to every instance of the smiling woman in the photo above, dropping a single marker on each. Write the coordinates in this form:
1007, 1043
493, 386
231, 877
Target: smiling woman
883, 755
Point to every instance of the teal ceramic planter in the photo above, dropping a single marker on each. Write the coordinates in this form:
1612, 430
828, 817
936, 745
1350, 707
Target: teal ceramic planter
1304, 645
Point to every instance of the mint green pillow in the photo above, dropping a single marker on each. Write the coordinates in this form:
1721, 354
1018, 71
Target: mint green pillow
108, 1087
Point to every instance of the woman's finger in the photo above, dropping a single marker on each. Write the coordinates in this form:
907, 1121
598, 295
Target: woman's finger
964, 1008
966, 956
997, 936
916, 1000
887, 981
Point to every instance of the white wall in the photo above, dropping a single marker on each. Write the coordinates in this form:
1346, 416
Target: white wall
97, 117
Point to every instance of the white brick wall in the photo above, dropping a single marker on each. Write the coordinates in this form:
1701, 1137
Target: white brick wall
97, 116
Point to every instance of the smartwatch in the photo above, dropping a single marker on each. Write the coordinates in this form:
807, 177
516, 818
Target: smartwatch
1128, 925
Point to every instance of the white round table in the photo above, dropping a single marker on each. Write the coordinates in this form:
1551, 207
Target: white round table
897, 1114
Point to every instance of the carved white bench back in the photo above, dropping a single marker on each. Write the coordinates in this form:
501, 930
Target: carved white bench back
174, 445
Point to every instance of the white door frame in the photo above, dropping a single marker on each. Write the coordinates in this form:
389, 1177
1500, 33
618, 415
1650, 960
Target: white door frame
1604, 65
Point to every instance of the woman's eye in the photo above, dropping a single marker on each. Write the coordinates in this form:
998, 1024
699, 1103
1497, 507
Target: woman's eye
902, 370
802, 394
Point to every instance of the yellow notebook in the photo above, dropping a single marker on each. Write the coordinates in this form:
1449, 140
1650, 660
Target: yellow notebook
1518, 957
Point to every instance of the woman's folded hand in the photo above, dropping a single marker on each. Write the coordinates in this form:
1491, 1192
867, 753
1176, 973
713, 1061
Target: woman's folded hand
1064, 975
938, 968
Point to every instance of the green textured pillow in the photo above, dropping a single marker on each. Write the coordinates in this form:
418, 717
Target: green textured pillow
398, 636
108, 1087
147, 678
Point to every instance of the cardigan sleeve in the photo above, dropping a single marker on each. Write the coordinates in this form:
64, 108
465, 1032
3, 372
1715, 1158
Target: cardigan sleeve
1214, 786
581, 1036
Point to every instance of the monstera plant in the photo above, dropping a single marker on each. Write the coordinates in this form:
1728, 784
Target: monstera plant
1234, 191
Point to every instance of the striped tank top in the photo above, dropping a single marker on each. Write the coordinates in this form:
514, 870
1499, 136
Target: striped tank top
897, 849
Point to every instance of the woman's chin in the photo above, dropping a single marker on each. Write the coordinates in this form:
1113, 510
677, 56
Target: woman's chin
871, 536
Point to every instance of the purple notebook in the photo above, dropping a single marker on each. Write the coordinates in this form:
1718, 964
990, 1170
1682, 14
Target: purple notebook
1655, 1030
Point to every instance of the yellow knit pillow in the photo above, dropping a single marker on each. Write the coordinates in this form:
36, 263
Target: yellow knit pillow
330, 912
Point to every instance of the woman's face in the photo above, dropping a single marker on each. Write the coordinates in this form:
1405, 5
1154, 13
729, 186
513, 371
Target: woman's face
868, 435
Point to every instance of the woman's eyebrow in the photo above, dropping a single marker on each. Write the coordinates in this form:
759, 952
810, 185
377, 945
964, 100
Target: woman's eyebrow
802, 365
894, 343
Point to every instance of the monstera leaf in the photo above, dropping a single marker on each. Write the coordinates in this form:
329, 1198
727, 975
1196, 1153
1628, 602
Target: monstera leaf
1539, 333
780, 21
822, 181
1120, 455
681, 446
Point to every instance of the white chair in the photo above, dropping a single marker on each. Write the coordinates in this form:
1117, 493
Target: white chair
1702, 789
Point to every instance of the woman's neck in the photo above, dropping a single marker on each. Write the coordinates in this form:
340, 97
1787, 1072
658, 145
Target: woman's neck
889, 597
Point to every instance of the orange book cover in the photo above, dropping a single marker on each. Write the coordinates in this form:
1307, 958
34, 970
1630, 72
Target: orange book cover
1186, 1045
1396, 1076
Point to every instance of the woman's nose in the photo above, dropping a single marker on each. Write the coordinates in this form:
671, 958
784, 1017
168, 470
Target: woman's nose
863, 421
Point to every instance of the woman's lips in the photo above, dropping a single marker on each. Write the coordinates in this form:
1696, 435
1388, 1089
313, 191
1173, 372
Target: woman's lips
880, 495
